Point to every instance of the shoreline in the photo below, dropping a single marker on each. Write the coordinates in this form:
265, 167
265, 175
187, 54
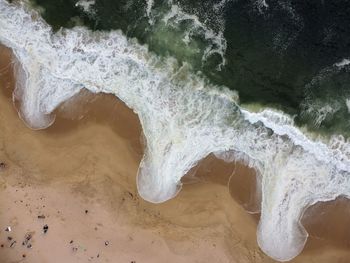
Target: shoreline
94, 159
83, 157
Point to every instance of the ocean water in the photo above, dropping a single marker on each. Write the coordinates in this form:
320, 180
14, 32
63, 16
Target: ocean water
263, 82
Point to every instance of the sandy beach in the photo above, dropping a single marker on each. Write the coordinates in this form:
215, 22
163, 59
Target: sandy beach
78, 178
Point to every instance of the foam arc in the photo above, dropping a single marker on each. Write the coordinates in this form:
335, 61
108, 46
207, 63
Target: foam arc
184, 118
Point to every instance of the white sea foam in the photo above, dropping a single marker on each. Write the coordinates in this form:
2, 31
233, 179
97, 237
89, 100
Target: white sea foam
261, 4
184, 118
343, 63
214, 37
86, 6
149, 7
347, 103
322, 109
217, 42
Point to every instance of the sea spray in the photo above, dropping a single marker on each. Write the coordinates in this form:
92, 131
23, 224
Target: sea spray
184, 118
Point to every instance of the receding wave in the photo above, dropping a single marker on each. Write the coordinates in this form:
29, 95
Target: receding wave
184, 118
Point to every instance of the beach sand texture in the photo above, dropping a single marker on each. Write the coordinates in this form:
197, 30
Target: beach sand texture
80, 175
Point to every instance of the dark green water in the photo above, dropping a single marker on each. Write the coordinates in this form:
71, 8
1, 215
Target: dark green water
279, 56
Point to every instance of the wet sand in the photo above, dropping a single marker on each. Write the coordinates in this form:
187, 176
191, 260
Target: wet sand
80, 174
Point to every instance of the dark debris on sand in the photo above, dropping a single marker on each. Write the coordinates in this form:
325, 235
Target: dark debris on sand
45, 228
2, 166
27, 238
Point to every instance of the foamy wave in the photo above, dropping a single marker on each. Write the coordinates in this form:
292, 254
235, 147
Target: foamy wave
261, 5
149, 6
321, 111
326, 96
347, 103
86, 6
184, 118
175, 17
343, 63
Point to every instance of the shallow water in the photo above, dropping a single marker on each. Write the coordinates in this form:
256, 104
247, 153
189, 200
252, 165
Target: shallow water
328, 221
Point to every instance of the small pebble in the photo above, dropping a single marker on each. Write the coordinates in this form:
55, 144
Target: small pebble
106, 243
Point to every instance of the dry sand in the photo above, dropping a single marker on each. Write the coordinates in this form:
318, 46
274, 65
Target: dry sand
80, 174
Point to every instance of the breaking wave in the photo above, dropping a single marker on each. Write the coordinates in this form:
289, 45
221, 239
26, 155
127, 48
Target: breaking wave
184, 118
